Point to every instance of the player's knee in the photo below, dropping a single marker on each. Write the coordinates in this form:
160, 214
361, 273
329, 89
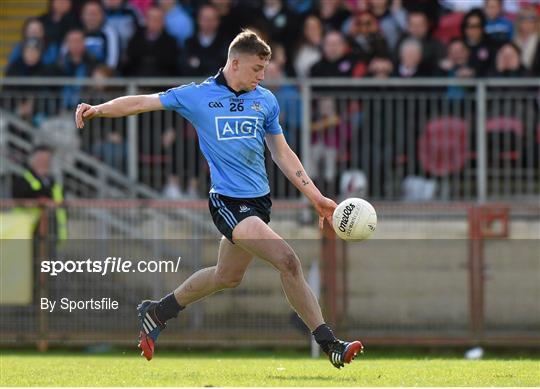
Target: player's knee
289, 264
228, 280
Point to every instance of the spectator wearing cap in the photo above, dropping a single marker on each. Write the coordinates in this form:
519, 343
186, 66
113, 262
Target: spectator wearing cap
152, 51
206, 51
498, 27
101, 40
527, 38
482, 48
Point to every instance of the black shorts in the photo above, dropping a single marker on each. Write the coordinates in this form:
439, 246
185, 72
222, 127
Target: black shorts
227, 212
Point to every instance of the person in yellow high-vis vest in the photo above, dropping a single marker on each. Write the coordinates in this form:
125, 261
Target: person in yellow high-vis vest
38, 183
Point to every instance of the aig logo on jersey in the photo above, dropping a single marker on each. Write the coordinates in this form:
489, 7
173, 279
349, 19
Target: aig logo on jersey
236, 127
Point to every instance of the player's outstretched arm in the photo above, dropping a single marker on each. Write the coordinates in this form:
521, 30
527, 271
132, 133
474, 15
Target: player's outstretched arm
290, 165
119, 107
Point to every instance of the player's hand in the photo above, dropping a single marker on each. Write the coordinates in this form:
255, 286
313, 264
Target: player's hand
325, 208
83, 112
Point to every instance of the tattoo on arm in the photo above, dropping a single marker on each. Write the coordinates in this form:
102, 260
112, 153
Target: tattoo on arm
300, 174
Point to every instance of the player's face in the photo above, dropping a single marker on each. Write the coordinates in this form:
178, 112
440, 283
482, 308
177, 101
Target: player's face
251, 70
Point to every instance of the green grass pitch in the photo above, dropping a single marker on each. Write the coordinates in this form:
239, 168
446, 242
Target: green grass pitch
262, 368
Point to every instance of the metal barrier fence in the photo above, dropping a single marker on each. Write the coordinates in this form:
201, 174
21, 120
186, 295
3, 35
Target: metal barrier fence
425, 139
428, 276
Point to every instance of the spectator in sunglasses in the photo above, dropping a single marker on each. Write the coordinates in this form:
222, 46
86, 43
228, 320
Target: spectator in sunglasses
481, 46
365, 37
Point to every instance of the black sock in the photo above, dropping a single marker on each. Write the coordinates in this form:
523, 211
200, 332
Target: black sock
168, 308
324, 336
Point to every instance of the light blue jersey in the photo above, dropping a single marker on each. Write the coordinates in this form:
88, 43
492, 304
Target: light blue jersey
231, 127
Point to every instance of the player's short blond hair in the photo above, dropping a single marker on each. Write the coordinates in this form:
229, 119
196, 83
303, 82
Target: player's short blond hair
248, 42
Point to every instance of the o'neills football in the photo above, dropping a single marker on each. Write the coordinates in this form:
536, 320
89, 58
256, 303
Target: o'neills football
354, 219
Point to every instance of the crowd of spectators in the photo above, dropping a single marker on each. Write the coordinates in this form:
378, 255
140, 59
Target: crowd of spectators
325, 38
309, 38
